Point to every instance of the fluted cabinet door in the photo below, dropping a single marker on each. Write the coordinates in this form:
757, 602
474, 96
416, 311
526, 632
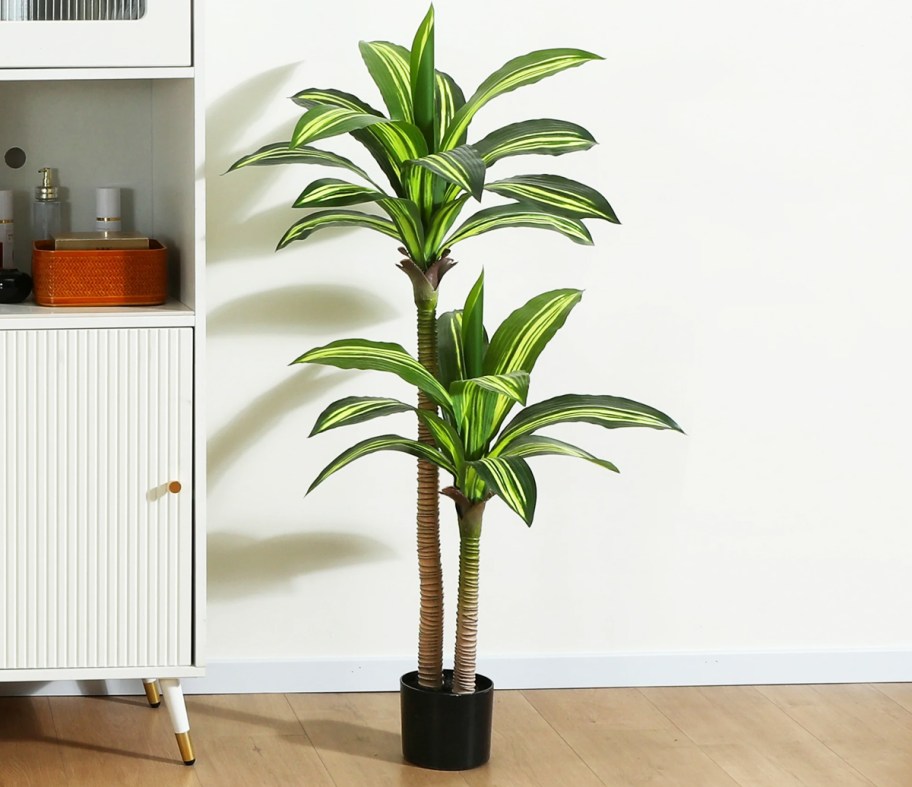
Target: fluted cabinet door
96, 479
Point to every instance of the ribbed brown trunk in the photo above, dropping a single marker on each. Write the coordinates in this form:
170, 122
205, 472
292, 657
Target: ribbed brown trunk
467, 609
430, 573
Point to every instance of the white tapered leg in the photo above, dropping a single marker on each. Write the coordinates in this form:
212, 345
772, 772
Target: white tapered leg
152, 694
177, 710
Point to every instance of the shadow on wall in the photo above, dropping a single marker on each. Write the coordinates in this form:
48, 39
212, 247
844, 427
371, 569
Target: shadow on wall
232, 233
302, 309
241, 566
262, 414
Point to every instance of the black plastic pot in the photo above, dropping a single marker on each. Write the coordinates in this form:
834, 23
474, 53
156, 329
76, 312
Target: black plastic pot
446, 731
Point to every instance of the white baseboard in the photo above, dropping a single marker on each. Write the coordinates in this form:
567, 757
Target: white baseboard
542, 672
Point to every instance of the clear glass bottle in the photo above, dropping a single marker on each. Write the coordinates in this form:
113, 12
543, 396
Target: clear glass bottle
47, 217
6, 229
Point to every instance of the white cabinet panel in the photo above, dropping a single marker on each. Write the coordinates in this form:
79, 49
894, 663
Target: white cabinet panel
95, 552
95, 33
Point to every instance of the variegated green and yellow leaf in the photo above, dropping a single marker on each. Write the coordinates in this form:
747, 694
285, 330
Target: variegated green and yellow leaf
610, 412
334, 193
441, 222
541, 137
476, 411
557, 194
445, 435
423, 79
380, 357
450, 100
519, 71
332, 98
387, 442
338, 217
322, 122
407, 219
512, 385
538, 445
283, 153
520, 338
473, 343
356, 410
512, 481
390, 69
506, 216
402, 141
420, 185
461, 166
450, 357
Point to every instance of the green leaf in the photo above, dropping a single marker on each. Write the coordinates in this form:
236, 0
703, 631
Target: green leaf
519, 71
389, 67
402, 141
321, 122
450, 357
282, 153
513, 385
537, 445
356, 410
473, 329
446, 437
441, 222
462, 166
303, 228
521, 337
380, 357
423, 79
610, 412
407, 219
557, 194
543, 137
387, 442
331, 97
511, 480
450, 100
334, 193
504, 216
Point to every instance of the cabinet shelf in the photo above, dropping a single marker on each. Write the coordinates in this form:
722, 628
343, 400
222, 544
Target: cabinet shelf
86, 74
28, 316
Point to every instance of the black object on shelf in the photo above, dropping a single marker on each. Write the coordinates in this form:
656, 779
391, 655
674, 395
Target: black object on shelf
15, 285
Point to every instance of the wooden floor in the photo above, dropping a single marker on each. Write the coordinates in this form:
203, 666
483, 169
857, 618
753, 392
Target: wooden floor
694, 737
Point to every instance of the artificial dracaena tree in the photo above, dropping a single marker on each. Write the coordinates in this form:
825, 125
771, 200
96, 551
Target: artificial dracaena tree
476, 386
421, 148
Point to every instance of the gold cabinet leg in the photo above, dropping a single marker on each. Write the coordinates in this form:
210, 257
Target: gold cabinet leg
152, 693
177, 710
186, 747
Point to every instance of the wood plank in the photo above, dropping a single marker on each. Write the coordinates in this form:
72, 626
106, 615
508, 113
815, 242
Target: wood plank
625, 740
753, 739
29, 754
900, 693
527, 752
117, 740
357, 738
216, 715
861, 724
258, 759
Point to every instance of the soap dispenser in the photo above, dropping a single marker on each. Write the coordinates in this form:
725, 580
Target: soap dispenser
46, 209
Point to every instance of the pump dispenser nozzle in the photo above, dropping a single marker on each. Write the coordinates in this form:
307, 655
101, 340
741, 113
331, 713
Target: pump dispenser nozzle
47, 191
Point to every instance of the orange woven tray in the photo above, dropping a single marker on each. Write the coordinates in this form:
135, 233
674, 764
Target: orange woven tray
100, 277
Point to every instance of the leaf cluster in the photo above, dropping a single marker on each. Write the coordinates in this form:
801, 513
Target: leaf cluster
479, 383
421, 147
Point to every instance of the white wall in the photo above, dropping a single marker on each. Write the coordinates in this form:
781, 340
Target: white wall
757, 291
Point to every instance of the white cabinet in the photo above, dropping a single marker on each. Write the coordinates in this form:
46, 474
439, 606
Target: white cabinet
102, 447
96, 483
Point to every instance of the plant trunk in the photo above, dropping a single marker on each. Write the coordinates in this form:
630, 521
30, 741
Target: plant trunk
467, 610
430, 571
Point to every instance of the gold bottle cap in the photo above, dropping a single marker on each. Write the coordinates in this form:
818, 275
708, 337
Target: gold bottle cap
47, 191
